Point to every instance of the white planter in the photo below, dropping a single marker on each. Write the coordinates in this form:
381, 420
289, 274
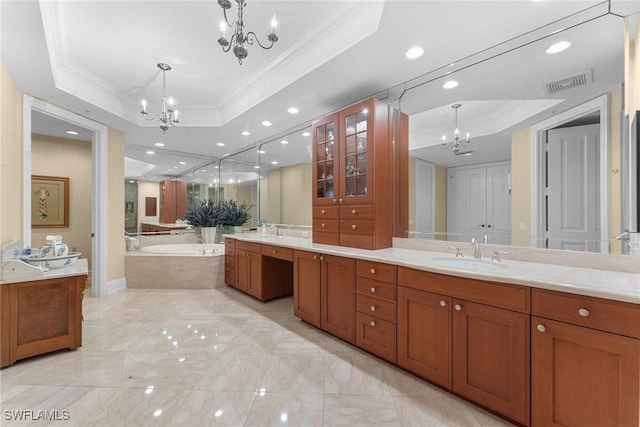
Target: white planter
208, 234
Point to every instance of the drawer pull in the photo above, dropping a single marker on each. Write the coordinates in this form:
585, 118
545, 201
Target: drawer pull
443, 303
321, 258
373, 308
541, 328
340, 200
354, 227
583, 312
324, 225
373, 271
322, 212
315, 257
458, 307
274, 251
353, 212
335, 201
373, 290
373, 323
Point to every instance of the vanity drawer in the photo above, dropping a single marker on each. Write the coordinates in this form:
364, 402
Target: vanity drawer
247, 247
376, 336
326, 238
356, 212
597, 313
358, 227
384, 310
326, 225
376, 270
277, 252
511, 297
376, 289
328, 212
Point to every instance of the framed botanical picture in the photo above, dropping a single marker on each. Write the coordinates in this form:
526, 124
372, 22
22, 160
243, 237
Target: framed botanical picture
49, 202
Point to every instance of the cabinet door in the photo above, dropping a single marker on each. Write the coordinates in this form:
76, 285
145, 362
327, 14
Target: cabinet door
491, 358
338, 292
254, 282
242, 271
356, 149
424, 334
306, 287
326, 159
582, 377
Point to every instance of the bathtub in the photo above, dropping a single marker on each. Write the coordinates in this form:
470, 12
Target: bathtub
176, 266
185, 249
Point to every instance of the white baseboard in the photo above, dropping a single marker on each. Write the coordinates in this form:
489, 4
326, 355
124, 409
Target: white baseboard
116, 285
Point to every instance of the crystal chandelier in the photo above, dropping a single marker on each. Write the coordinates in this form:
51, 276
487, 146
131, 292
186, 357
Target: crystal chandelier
239, 38
168, 116
456, 143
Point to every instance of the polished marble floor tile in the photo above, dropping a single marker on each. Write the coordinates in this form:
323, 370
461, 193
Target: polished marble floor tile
218, 357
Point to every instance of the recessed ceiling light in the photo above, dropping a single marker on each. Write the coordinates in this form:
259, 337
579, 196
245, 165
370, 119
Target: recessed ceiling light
306, 134
266, 123
262, 152
220, 144
256, 167
414, 52
183, 163
159, 144
246, 133
131, 182
151, 152
284, 141
450, 84
72, 132
293, 110
558, 47
203, 170
274, 163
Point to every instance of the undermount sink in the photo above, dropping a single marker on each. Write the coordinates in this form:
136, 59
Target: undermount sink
471, 264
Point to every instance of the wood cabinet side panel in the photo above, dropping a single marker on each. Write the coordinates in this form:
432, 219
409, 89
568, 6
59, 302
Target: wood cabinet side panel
5, 325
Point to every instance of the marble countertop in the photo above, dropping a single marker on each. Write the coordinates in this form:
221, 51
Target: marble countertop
78, 268
619, 286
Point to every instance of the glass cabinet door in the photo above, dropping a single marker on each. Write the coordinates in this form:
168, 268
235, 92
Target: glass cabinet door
325, 161
357, 150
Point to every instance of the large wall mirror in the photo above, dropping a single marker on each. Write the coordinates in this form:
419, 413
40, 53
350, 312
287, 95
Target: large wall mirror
513, 99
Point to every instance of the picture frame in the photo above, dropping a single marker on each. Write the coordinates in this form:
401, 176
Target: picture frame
49, 202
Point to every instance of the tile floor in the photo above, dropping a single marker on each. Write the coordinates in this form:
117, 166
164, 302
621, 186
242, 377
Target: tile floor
218, 357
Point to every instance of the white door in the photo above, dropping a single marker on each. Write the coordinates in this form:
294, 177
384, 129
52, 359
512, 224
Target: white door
467, 200
573, 186
425, 199
499, 204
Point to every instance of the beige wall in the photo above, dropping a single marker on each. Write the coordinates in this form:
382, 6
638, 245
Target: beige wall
285, 195
115, 210
10, 159
441, 201
521, 187
148, 189
52, 157
615, 183
412, 194
632, 65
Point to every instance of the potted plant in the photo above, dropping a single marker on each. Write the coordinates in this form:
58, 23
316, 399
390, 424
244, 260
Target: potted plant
234, 214
206, 215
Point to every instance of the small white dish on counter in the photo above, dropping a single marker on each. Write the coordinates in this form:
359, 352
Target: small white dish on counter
50, 262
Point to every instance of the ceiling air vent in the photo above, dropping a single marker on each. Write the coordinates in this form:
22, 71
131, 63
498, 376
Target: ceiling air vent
568, 83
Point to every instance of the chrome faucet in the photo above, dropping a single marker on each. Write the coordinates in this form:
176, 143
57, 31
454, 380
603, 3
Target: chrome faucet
477, 254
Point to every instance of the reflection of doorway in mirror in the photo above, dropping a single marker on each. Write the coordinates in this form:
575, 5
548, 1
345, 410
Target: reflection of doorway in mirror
425, 200
573, 202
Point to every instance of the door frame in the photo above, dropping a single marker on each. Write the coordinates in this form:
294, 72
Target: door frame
600, 104
99, 180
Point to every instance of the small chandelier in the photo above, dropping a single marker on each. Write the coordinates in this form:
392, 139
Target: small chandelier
239, 38
456, 143
168, 116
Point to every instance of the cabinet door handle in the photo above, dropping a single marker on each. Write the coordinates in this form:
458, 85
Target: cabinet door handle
315, 257
443, 303
373, 323
458, 307
321, 258
583, 312
340, 200
373, 271
335, 201
373, 308
353, 212
354, 227
541, 328
373, 290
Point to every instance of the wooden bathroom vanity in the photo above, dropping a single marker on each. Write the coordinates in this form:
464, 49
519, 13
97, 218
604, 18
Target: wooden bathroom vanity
552, 346
40, 316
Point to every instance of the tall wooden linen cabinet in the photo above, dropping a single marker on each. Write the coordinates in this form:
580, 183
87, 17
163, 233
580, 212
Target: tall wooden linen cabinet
360, 176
